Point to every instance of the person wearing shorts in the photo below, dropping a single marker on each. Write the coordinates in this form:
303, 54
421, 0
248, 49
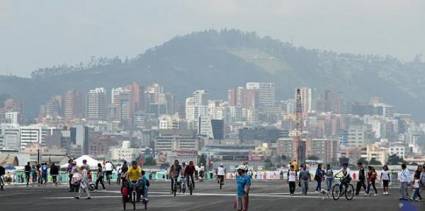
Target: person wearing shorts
385, 178
243, 183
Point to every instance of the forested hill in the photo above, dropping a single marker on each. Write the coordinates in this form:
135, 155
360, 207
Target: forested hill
218, 60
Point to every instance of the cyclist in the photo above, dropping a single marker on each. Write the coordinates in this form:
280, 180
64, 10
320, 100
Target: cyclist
134, 173
189, 171
174, 173
221, 171
346, 176
182, 176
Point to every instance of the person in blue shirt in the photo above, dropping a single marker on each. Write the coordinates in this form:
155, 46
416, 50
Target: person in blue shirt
144, 185
243, 183
44, 169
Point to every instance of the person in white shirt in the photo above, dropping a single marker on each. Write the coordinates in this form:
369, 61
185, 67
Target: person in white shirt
292, 179
404, 178
385, 178
108, 170
221, 172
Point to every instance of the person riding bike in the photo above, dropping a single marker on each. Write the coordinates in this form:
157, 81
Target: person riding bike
188, 173
221, 172
174, 173
346, 176
134, 174
183, 177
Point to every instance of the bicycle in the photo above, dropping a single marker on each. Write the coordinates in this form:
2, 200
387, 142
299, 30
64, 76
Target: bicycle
190, 184
174, 189
342, 188
134, 197
183, 184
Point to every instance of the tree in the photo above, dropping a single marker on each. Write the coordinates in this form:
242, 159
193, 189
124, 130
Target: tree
268, 164
363, 160
313, 157
394, 160
373, 161
150, 161
202, 160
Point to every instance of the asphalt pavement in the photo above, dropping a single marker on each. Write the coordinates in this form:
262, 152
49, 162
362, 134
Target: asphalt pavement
265, 195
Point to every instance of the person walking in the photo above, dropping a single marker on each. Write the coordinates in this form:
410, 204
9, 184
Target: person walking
319, 176
422, 177
108, 170
329, 174
38, 171
404, 178
416, 188
84, 183
34, 175
27, 170
69, 170
54, 172
44, 173
243, 184
100, 176
292, 179
362, 179
2, 172
371, 179
385, 178
304, 179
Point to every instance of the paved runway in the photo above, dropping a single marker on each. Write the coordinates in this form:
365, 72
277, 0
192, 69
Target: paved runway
265, 195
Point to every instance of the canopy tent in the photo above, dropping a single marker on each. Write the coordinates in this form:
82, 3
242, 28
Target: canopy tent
91, 162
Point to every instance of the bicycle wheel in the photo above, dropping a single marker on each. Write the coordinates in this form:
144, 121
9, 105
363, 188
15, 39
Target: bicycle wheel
175, 189
349, 192
124, 202
134, 199
336, 192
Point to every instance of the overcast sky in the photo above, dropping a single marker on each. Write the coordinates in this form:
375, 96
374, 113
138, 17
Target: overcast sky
38, 33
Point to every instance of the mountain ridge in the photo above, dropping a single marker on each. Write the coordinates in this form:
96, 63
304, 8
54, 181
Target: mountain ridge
218, 60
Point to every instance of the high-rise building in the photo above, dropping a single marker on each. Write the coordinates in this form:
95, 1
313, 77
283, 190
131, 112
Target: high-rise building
306, 100
10, 137
34, 134
72, 105
96, 104
196, 105
265, 94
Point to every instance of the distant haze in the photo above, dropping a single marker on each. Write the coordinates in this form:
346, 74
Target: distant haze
38, 33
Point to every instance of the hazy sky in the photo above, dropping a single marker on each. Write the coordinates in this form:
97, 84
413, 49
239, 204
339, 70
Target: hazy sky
40, 33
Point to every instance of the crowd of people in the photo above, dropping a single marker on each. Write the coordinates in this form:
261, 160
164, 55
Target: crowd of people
367, 179
133, 178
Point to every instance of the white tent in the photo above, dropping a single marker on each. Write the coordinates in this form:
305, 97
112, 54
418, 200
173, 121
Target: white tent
92, 163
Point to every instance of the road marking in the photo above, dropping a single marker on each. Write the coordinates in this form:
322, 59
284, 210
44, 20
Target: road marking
259, 195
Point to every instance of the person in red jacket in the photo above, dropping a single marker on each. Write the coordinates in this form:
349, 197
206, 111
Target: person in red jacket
189, 171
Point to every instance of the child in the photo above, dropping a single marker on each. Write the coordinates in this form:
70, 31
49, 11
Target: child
416, 188
144, 184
